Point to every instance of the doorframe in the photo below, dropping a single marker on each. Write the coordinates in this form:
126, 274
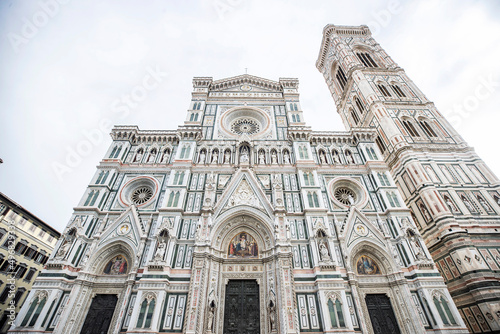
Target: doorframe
391, 302
363, 291
87, 309
226, 277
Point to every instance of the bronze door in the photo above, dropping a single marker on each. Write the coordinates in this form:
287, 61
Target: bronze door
382, 315
242, 308
99, 315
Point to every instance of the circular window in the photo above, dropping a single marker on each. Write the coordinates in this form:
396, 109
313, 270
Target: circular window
139, 191
246, 120
141, 195
346, 192
345, 195
245, 125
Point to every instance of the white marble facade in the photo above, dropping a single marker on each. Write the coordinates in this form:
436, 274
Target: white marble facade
244, 190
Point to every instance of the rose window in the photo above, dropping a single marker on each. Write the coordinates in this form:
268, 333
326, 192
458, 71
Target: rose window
245, 126
141, 195
345, 195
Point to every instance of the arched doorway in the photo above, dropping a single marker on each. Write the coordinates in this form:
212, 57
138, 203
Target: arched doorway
380, 296
241, 268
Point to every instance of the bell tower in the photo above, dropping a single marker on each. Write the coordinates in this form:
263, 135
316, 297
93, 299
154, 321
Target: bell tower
453, 195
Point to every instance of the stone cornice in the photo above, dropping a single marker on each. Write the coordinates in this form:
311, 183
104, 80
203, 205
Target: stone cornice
137, 136
253, 80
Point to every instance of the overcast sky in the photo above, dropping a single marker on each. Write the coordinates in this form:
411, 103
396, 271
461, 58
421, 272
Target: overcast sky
67, 68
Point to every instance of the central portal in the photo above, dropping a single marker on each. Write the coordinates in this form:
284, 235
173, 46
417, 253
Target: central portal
381, 314
242, 313
100, 314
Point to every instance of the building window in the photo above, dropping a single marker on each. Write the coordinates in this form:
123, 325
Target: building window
354, 117
30, 274
359, 105
336, 315
444, 310
303, 152
384, 180
366, 59
35, 309
312, 199
399, 92
309, 179
341, 78
19, 295
296, 118
427, 129
410, 128
385, 92
380, 144
186, 149
5, 294
92, 197
146, 313
371, 153
393, 199
173, 199
2, 233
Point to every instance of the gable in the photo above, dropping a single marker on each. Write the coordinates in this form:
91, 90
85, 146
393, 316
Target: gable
127, 227
244, 189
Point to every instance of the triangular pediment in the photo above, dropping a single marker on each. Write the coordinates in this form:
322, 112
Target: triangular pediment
244, 189
358, 228
246, 83
127, 226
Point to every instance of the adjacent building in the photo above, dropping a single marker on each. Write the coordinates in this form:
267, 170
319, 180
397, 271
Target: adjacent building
26, 243
246, 220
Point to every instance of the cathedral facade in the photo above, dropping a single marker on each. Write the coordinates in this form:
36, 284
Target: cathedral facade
245, 220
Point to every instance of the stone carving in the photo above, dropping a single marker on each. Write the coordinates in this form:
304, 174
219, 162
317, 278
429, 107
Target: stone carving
272, 315
274, 158
286, 158
244, 195
227, 157
202, 157
262, 158
160, 251
211, 315
322, 157
323, 251
244, 154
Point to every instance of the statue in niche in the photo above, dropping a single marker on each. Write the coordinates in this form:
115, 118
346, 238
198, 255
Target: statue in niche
467, 204
286, 157
425, 213
483, 203
323, 251
66, 244
215, 157
166, 156
415, 244
244, 154
152, 156
211, 315
138, 156
227, 157
322, 157
450, 204
262, 158
160, 251
274, 158
350, 157
272, 315
202, 157
335, 155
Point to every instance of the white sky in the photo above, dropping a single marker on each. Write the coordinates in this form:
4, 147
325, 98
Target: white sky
61, 78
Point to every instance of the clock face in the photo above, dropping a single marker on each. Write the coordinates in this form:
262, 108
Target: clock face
245, 88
